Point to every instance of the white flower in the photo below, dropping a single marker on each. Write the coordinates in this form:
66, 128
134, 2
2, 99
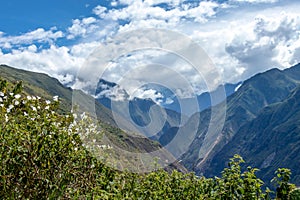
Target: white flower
25, 114
83, 116
1, 100
55, 98
38, 97
33, 108
103, 146
1, 94
29, 97
17, 103
2, 105
47, 107
94, 140
75, 148
33, 97
48, 102
6, 118
11, 94
10, 107
17, 96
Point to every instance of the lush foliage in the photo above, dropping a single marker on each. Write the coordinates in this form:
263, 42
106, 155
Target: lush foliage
42, 156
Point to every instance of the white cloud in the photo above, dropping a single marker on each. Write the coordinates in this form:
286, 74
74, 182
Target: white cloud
144, 13
99, 10
91, 29
275, 42
169, 101
149, 94
88, 20
255, 1
114, 3
79, 28
241, 40
38, 35
32, 48
59, 62
116, 93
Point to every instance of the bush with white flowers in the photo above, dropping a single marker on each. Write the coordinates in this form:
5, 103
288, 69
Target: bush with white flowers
41, 151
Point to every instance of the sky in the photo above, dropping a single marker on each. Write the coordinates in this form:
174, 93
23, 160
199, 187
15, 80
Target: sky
240, 37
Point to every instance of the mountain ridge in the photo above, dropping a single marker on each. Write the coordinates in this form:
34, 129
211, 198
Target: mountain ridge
244, 106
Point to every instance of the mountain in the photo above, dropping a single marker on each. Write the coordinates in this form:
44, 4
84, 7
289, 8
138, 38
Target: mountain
166, 119
42, 85
144, 115
204, 100
244, 113
107, 91
268, 142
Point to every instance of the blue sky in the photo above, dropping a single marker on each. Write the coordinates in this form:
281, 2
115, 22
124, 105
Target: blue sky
19, 16
242, 37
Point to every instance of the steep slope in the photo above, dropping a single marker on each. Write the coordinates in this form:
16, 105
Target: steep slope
42, 85
242, 107
146, 117
270, 141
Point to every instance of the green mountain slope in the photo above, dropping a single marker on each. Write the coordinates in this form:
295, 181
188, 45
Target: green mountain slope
264, 89
42, 85
270, 141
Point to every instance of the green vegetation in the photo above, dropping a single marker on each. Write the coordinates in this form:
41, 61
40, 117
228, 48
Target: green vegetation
44, 86
294, 194
42, 157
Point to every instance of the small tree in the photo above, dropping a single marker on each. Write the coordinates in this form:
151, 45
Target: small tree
282, 180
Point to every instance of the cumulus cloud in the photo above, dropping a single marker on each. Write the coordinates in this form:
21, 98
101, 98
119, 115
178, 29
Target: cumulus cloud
241, 40
38, 35
149, 94
91, 29
116, 93
275, 42
99, 10
81, 27
255, 1
59, 62
147, 14
152, 56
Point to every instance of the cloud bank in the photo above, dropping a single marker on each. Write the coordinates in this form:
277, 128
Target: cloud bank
242, 37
